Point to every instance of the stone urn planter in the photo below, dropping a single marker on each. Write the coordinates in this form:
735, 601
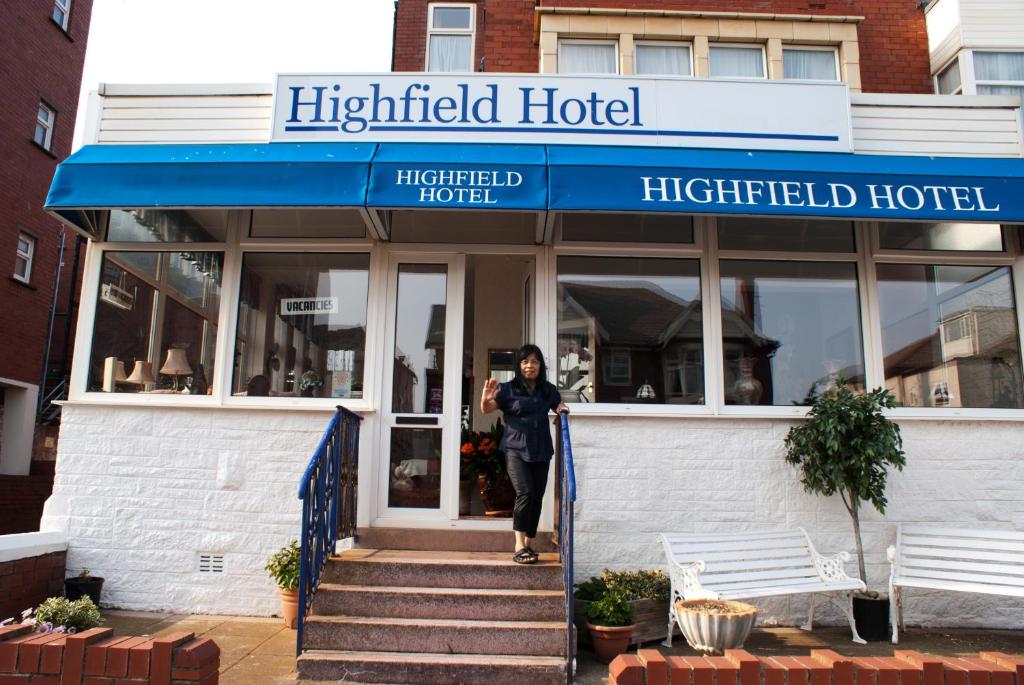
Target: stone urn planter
712, 626
609, 641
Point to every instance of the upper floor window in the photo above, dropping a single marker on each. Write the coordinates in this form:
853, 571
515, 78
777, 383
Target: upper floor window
450, 38
588, 57
810, 63
743, 61
668, 59
44, 126
999, 73
23, 260
61, 13
948, 80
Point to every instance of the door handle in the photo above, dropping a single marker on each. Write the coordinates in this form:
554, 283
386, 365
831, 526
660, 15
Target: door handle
416, 420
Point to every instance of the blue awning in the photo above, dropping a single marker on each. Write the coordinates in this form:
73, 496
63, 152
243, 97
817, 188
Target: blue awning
823, 184
234, 175
470, 176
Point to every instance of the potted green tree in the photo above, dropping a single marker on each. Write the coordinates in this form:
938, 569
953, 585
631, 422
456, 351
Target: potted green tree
846, 447
610, 622
284, 569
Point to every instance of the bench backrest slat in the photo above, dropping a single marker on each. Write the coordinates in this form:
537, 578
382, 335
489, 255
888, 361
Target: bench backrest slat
980, 578
798, 573
945, 531
921, 556
971, 560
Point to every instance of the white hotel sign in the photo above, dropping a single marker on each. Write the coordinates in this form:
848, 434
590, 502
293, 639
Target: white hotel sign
498, 108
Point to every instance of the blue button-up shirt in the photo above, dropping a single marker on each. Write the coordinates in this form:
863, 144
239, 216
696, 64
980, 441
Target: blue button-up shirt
527, 435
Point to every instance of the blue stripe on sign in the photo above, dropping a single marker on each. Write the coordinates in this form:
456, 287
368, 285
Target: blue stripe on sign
548, 129
311, 128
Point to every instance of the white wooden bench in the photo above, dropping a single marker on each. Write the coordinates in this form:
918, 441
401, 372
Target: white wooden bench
953, 559
757, 564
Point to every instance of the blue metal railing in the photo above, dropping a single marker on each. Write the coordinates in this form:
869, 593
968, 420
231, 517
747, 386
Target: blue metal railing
566, 499
328, 494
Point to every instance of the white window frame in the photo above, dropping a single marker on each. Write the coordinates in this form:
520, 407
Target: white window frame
726, 44
27, 257
955, 63
812, 48
973, 72
471, 32
48, 125
590, 41
664, 43
65, 7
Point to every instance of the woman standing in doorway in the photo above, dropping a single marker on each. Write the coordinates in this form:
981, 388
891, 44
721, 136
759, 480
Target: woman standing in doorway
525, 402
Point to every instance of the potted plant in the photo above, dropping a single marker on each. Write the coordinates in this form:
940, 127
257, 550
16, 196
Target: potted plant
610, 622
60, 614
712, 626
645, 589
846, 447
84, 585
284, 569
480, 457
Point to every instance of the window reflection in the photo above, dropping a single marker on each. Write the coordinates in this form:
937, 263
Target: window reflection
949, 335
630, 330
940, 236
788, 328
167, 225
418, 382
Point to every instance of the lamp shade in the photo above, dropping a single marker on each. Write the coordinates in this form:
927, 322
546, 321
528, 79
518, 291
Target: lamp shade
646, 392
119, 374
176, 363
142, 373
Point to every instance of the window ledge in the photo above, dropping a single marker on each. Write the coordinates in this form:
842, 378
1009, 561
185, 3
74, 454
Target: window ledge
188, 402
67, 34
40, 147
23, 284
732, 413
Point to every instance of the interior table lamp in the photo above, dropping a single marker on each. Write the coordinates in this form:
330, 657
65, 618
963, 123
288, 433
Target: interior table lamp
142, 374
176, 365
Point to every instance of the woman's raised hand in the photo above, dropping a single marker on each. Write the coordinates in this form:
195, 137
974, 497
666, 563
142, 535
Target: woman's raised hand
490, 390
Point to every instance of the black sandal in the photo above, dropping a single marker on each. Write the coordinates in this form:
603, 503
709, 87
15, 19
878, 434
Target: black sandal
525, 556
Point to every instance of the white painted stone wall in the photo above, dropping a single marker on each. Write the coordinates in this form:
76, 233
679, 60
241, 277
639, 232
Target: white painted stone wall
142, 491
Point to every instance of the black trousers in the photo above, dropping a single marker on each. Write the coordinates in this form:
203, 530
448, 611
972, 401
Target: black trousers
529, 478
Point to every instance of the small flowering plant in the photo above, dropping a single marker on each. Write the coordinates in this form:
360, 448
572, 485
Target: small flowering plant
480, 454
61, 615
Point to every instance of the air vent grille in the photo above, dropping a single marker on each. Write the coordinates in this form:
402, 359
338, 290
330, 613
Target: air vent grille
211, 563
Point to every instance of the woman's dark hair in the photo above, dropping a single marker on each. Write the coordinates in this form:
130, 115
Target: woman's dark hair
529, 350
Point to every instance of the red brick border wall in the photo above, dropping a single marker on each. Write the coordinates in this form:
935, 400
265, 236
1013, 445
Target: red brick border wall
822, 667
94, 657
25, 583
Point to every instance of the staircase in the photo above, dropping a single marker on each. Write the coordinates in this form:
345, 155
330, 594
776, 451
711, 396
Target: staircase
427, 606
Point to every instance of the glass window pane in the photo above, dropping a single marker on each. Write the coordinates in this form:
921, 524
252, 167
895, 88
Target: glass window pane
949, 79
809, 64
168, 225
307, 223
417, 386
58, 15
940, 236
40, 135
450, 53
1000, 90
949, 335
788, 328
631, 228
734, 61
630, 330
452, 17
301, 325
999, 66
415, 471
21, 267
785, 235
672, 60
587, 58
24, 246
146, 337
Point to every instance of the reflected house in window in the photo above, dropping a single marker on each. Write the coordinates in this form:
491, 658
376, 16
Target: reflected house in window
434, 372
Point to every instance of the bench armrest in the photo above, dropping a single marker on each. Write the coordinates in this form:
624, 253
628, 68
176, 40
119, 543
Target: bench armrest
686, 581
831, 567
890, 554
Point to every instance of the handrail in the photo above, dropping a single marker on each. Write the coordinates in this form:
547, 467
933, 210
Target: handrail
567, 497
328, 493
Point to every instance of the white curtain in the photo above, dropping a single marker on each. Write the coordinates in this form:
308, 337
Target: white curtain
819, 65
449, 53
587, 58
673, 60
728, 61
1001, 90
999, 66
949, 79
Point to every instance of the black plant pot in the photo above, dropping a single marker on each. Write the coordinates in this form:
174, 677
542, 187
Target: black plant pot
77, 587
872, 618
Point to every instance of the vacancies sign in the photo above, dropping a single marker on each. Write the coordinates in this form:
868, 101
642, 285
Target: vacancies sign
497, 108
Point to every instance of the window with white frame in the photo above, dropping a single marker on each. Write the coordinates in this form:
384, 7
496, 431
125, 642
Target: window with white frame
61, 13
588, 57
450, 37
948, 81
810, 63
663, 58
23, 258
45, 118
736, 61
999, 73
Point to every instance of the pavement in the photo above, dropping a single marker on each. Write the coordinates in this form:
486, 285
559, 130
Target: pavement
258, 651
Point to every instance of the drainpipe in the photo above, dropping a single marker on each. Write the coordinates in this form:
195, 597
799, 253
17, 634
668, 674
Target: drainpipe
49, 327
71, 311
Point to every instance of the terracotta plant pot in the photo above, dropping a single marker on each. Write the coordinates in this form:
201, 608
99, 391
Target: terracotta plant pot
290, 607
609, 641
712, 626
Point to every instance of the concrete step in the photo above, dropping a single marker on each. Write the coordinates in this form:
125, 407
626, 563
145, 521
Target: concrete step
435, 636
453, 540
429, 669
432, 602
422, 568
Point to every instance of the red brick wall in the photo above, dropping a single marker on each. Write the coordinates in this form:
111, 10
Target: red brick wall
893, 41
39, 61
21, 506
25, 583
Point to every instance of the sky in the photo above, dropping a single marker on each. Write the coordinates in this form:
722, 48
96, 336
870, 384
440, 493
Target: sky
231, 41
